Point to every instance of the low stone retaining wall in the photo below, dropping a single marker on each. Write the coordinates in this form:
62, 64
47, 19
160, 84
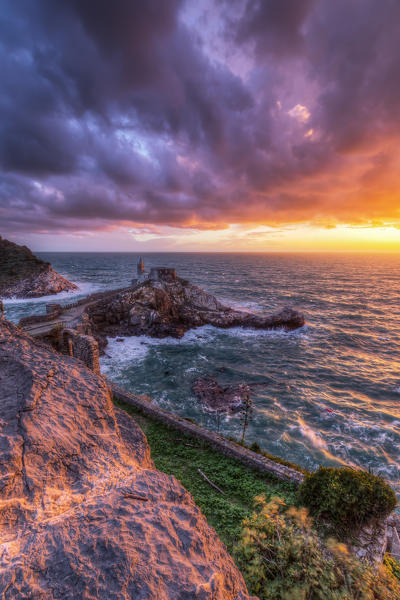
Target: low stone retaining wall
37, 319
219, 443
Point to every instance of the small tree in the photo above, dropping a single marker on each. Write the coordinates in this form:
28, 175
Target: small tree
218, 414
246, 414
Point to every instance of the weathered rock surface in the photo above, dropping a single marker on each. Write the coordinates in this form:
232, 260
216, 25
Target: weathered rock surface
371, 543
392, 536
23, 275
215, 397
171, 306
83, 512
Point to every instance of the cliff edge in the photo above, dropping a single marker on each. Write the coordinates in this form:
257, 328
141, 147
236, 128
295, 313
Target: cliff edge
24, 275
83, 512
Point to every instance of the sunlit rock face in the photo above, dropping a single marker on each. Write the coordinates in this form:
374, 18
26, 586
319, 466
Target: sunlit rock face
24, 275
83, 512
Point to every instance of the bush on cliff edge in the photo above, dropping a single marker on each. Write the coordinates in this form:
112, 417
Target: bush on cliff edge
346, 498
282, 558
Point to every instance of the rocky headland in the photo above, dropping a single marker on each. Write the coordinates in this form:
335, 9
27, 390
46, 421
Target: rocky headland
24, 275
167, 305
83, 512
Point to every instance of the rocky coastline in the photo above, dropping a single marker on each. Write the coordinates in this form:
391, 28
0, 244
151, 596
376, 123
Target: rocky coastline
167, 305
74, 464
24, 275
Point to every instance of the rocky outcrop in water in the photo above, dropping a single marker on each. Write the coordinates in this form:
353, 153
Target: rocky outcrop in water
223, 399
169, 306
83, 512
23, 275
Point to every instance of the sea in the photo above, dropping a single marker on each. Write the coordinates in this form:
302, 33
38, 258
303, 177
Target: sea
326, 394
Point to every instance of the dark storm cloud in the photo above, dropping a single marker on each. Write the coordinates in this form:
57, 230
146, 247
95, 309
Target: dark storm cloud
357, 64
119, 112
274, 27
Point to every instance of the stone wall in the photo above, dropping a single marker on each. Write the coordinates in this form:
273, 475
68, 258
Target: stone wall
162, 274
84, 347
38, 319
372, 542
53, 308
216, 441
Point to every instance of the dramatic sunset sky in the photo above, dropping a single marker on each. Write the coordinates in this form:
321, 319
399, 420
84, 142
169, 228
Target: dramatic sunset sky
247, 125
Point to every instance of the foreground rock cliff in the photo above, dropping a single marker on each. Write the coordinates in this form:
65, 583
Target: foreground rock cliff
83, 512
167, 305
23, 275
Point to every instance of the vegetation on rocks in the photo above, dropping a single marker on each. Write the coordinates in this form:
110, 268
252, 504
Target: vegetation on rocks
24, 275
282, 461
181, 456
392, 565
346, 498
282, 558
279, 552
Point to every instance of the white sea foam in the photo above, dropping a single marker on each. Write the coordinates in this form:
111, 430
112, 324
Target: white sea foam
192, 370
252, 333
84, 288
245, 306
135, 348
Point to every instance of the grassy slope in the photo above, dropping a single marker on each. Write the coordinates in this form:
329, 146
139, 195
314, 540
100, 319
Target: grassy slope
181, 456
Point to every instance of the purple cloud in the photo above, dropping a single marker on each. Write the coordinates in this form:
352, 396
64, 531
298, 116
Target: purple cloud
131, 112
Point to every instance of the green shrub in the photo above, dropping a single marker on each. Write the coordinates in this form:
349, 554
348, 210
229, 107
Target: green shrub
282, 558
346, 498
255, 448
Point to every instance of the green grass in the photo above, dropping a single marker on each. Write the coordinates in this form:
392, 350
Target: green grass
181, 456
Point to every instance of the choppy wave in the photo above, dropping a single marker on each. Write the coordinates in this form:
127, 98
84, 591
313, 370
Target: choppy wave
325, 394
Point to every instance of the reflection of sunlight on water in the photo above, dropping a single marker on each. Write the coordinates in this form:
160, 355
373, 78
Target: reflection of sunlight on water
325, 394
314, 437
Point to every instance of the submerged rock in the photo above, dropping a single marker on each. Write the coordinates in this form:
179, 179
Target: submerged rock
222, 399
83, 512
170, 305
23, 275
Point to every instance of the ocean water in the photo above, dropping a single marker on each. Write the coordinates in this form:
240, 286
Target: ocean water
327, 394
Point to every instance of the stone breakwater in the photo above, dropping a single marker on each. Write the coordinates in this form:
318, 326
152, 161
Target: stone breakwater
83, 512
24, 275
